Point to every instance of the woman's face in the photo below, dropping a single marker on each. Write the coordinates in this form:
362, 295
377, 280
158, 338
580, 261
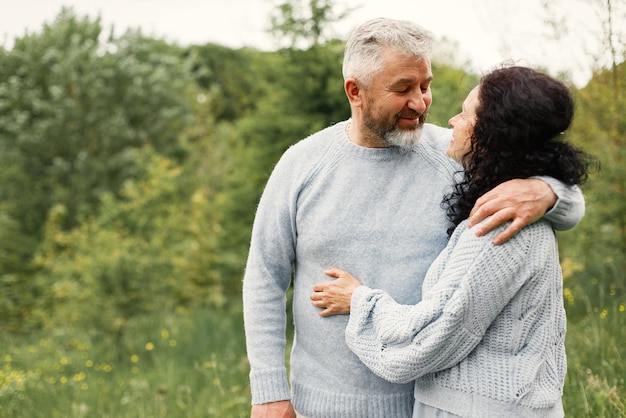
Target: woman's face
463, 128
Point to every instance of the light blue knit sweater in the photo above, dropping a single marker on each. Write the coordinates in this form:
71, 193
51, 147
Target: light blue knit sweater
374, 212
491, 324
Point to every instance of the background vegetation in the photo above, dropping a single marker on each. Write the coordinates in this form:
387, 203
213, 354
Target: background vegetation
130, 170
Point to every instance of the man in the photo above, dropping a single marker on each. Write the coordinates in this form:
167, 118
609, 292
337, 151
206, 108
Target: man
365, 196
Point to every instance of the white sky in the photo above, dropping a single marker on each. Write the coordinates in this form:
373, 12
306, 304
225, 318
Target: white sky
487, 31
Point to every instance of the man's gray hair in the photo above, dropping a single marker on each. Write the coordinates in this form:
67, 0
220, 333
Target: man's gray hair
363, 54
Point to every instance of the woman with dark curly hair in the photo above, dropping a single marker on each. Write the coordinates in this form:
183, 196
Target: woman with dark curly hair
488, 337
523, 115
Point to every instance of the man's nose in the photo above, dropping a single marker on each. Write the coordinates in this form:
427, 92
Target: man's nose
418, 102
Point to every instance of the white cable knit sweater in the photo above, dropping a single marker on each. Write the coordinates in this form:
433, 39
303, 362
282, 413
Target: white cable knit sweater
488, 337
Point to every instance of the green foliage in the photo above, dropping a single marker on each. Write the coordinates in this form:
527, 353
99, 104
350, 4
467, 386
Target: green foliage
72, 109
305, 23
136, 242
193, 364
597, 248
313, 84
234, 79
595, 385
15, 243
175, 365
155, 248
449, 88
130, 171
594, 257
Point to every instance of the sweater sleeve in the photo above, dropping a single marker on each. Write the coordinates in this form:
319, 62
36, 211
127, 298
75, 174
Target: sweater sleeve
474, 279
569, 208
266, 280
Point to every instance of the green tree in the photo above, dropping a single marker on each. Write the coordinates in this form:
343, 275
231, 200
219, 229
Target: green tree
153, 245
234, 79
312, 74
304, 24
121, 263
73, 107
597, 247
594, 253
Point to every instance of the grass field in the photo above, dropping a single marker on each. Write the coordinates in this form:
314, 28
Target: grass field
193, 364
182, 365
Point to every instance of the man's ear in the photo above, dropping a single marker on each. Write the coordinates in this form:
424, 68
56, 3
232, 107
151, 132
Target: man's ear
353, 91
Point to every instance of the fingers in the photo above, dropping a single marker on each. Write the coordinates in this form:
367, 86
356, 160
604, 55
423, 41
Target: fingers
332, 272
497, 219
335, 272
332, 310
476, 210
510, 194
529, 198
323, 286
318, 300
482, 210
518, 222
490, 204
326, 312
509, 232
333, 297
331, 302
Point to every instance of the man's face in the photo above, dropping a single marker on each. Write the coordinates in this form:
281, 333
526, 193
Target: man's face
397, 101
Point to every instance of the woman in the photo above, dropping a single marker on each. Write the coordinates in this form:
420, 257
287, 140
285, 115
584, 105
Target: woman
488, 337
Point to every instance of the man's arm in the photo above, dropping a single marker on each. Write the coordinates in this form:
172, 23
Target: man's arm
569, 208
524, 201
266, 280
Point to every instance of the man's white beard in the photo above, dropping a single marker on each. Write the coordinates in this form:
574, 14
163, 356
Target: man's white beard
404, 139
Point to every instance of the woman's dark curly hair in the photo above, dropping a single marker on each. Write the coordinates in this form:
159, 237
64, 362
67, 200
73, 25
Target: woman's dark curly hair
518, 133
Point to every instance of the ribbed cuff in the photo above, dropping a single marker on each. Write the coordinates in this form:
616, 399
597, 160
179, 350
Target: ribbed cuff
569, 208
269, 386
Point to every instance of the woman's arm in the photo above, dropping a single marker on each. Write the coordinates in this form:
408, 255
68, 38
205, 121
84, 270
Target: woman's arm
474, 281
